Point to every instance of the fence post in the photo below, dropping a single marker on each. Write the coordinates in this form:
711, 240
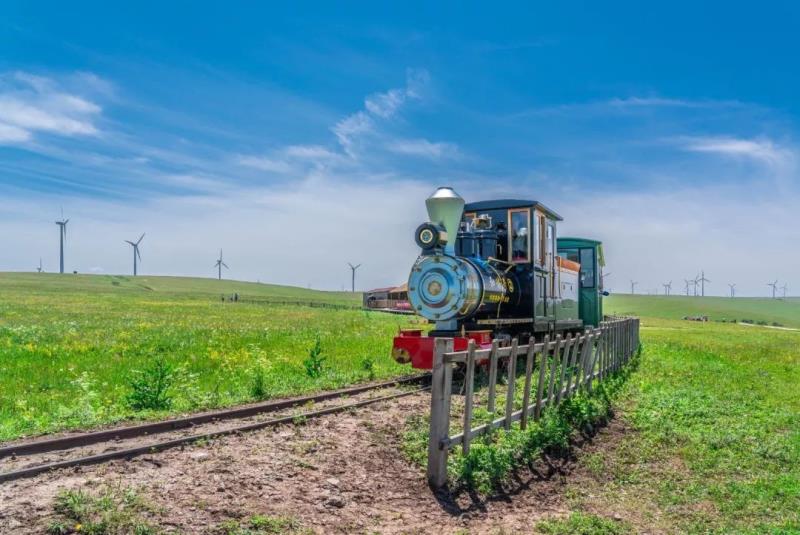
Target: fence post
512, 376
542, 371
440, 414
469, 386
492, 376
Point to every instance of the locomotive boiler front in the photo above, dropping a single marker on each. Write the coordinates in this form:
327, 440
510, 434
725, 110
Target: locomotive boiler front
444, 287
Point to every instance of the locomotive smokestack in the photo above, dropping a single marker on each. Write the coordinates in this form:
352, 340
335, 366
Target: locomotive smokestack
445, 207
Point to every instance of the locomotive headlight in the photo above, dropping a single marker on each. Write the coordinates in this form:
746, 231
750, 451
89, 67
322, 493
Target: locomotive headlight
429, 236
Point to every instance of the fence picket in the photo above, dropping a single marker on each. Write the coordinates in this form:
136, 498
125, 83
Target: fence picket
526, 393
543, 359
492, 376
553, 368
564, 362
469, 385
512, 376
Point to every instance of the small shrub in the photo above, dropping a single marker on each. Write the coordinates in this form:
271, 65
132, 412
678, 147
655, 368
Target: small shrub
258, 385
368, 365
315, 361
150, 387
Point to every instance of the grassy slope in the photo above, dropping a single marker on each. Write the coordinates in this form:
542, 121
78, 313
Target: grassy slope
785, 312
716, 417
68, 344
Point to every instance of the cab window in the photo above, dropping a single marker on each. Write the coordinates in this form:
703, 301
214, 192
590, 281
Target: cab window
570, 254
542, 241
519, 235
587, 268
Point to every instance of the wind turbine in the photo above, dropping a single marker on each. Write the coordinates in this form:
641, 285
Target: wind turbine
774, 287
62, 234
219, 265
136, 252
784, 288
702, 280
633, 286
733, 290
688, 282
39, 269
667, 287
353, 280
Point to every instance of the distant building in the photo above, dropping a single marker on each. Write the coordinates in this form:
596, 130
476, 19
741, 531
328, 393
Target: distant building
390, 298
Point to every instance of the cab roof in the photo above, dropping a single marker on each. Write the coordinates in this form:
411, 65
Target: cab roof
505, 204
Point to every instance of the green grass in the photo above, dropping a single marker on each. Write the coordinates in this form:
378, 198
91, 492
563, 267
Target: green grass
583, 524
107, 511
71, 346
714, 445
786, 312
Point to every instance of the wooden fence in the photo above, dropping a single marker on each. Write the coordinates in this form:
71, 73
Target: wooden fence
554, 370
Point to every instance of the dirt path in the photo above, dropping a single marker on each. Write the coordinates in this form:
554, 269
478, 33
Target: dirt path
337, 474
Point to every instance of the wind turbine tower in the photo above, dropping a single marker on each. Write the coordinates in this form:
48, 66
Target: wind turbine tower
784, 288
774, 287
733, 290
667, 287
39, 269
633, 286
219, 265
136, 253
353, 279
62, 235
703, 280
687, 282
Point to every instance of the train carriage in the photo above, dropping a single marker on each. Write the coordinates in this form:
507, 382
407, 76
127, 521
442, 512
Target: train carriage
495, 270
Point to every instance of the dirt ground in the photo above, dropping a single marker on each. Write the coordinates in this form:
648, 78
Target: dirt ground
336, 474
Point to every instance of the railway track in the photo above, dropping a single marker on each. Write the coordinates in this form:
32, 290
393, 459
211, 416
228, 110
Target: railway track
28, 459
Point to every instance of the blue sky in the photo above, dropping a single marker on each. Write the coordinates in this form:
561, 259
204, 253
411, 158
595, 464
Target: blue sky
298, 138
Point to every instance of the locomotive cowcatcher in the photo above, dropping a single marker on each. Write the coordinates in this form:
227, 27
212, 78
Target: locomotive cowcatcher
496, 270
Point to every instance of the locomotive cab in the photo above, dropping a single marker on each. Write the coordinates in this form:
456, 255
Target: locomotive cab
589, 254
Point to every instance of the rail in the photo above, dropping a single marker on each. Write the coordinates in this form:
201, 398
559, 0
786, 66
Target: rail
555, 369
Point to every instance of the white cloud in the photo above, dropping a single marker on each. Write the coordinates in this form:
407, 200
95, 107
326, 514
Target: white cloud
424, 148
263, 163
763, 150
310, 152
31, 104
380, 106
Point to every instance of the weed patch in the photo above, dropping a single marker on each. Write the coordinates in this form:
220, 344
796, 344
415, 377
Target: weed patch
261, 525
110, 511
584, 524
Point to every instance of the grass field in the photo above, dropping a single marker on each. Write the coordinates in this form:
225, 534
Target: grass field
786, 312
70, 346
714, 445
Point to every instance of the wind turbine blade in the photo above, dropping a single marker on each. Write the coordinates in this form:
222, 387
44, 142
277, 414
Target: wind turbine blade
225, 265
138, 253
140, 239
128, 241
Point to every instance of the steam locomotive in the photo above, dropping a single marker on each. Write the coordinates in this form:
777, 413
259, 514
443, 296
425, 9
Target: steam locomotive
496, 270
